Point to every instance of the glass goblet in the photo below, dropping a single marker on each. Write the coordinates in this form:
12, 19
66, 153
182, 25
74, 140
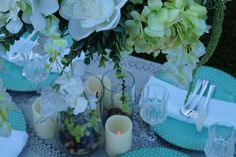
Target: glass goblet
35, 69
153, 106
221, 140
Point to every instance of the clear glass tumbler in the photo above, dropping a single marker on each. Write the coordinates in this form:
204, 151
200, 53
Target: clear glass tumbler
153, 106
35, 69
221, 140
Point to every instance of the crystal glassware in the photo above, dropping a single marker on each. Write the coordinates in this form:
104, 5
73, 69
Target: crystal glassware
153, 106
221, 140
34, 68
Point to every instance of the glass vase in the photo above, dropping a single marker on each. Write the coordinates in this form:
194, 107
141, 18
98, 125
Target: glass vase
79, 135
118, 95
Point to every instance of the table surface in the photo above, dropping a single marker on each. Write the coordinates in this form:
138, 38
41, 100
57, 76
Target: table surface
142, 70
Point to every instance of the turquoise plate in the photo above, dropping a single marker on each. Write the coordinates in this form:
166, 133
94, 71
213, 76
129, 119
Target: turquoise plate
184, 134
11, 75
154, 152
17, 119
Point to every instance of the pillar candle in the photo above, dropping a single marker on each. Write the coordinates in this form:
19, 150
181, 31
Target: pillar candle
47, 128
107, 100
117, 100
118, 135
93, 85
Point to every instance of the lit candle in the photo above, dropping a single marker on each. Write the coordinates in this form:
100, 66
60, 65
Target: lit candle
93, 86
47, 128
118, 135
117, 100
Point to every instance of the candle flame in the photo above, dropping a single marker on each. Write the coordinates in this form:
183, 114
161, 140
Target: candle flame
118, 133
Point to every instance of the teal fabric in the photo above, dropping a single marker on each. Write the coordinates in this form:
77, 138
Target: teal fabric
154, 152
185, 135
11, 75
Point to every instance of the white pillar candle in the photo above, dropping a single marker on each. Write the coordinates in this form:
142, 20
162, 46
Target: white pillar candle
93, 85
117, 100
107, 100
118, 135
47, 128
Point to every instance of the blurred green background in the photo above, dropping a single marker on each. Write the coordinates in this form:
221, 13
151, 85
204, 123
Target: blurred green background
224, 57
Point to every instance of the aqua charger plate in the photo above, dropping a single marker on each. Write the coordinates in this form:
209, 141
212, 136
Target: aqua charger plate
16, 119
154, 152
11, 75
184, 134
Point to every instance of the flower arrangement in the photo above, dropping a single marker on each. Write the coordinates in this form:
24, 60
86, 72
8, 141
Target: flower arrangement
80, 128
111, 29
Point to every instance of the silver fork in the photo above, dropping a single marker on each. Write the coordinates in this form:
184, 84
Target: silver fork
194, 112
185, 109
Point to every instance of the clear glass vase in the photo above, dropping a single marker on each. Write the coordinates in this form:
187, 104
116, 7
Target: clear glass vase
118, 94
79, 135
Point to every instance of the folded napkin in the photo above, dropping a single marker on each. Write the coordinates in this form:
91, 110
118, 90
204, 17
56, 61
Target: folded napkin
218, 111
13, 145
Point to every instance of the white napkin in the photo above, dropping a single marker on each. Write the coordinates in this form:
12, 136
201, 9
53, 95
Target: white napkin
218, 111
13, 145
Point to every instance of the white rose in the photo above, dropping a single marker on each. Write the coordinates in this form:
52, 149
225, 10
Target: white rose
87, 16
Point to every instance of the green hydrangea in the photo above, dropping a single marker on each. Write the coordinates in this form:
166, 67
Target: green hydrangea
167, 26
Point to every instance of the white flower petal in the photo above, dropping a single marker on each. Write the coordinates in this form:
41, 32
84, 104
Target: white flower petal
66, 10
38, 21
62, 79
48, 7
111, 24
75, 87
198, 49
120, 3
5, 5
92, 22
14, 26
108, 8
78, 68
81, 105
92, 102
77, 32
26, 15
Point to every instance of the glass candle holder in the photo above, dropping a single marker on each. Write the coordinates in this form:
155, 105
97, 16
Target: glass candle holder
118, 94
221, 140
82, 134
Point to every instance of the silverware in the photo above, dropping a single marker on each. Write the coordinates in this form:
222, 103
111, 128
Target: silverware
194, 113
202, 115
185, 109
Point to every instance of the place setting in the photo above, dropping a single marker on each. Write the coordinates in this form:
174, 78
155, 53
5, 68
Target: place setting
115, 78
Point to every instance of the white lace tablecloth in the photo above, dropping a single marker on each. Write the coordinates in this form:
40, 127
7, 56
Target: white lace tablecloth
141, 69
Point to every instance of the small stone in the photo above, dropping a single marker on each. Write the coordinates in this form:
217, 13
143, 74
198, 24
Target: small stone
95, 145
81, 151
72, 151
67, 144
